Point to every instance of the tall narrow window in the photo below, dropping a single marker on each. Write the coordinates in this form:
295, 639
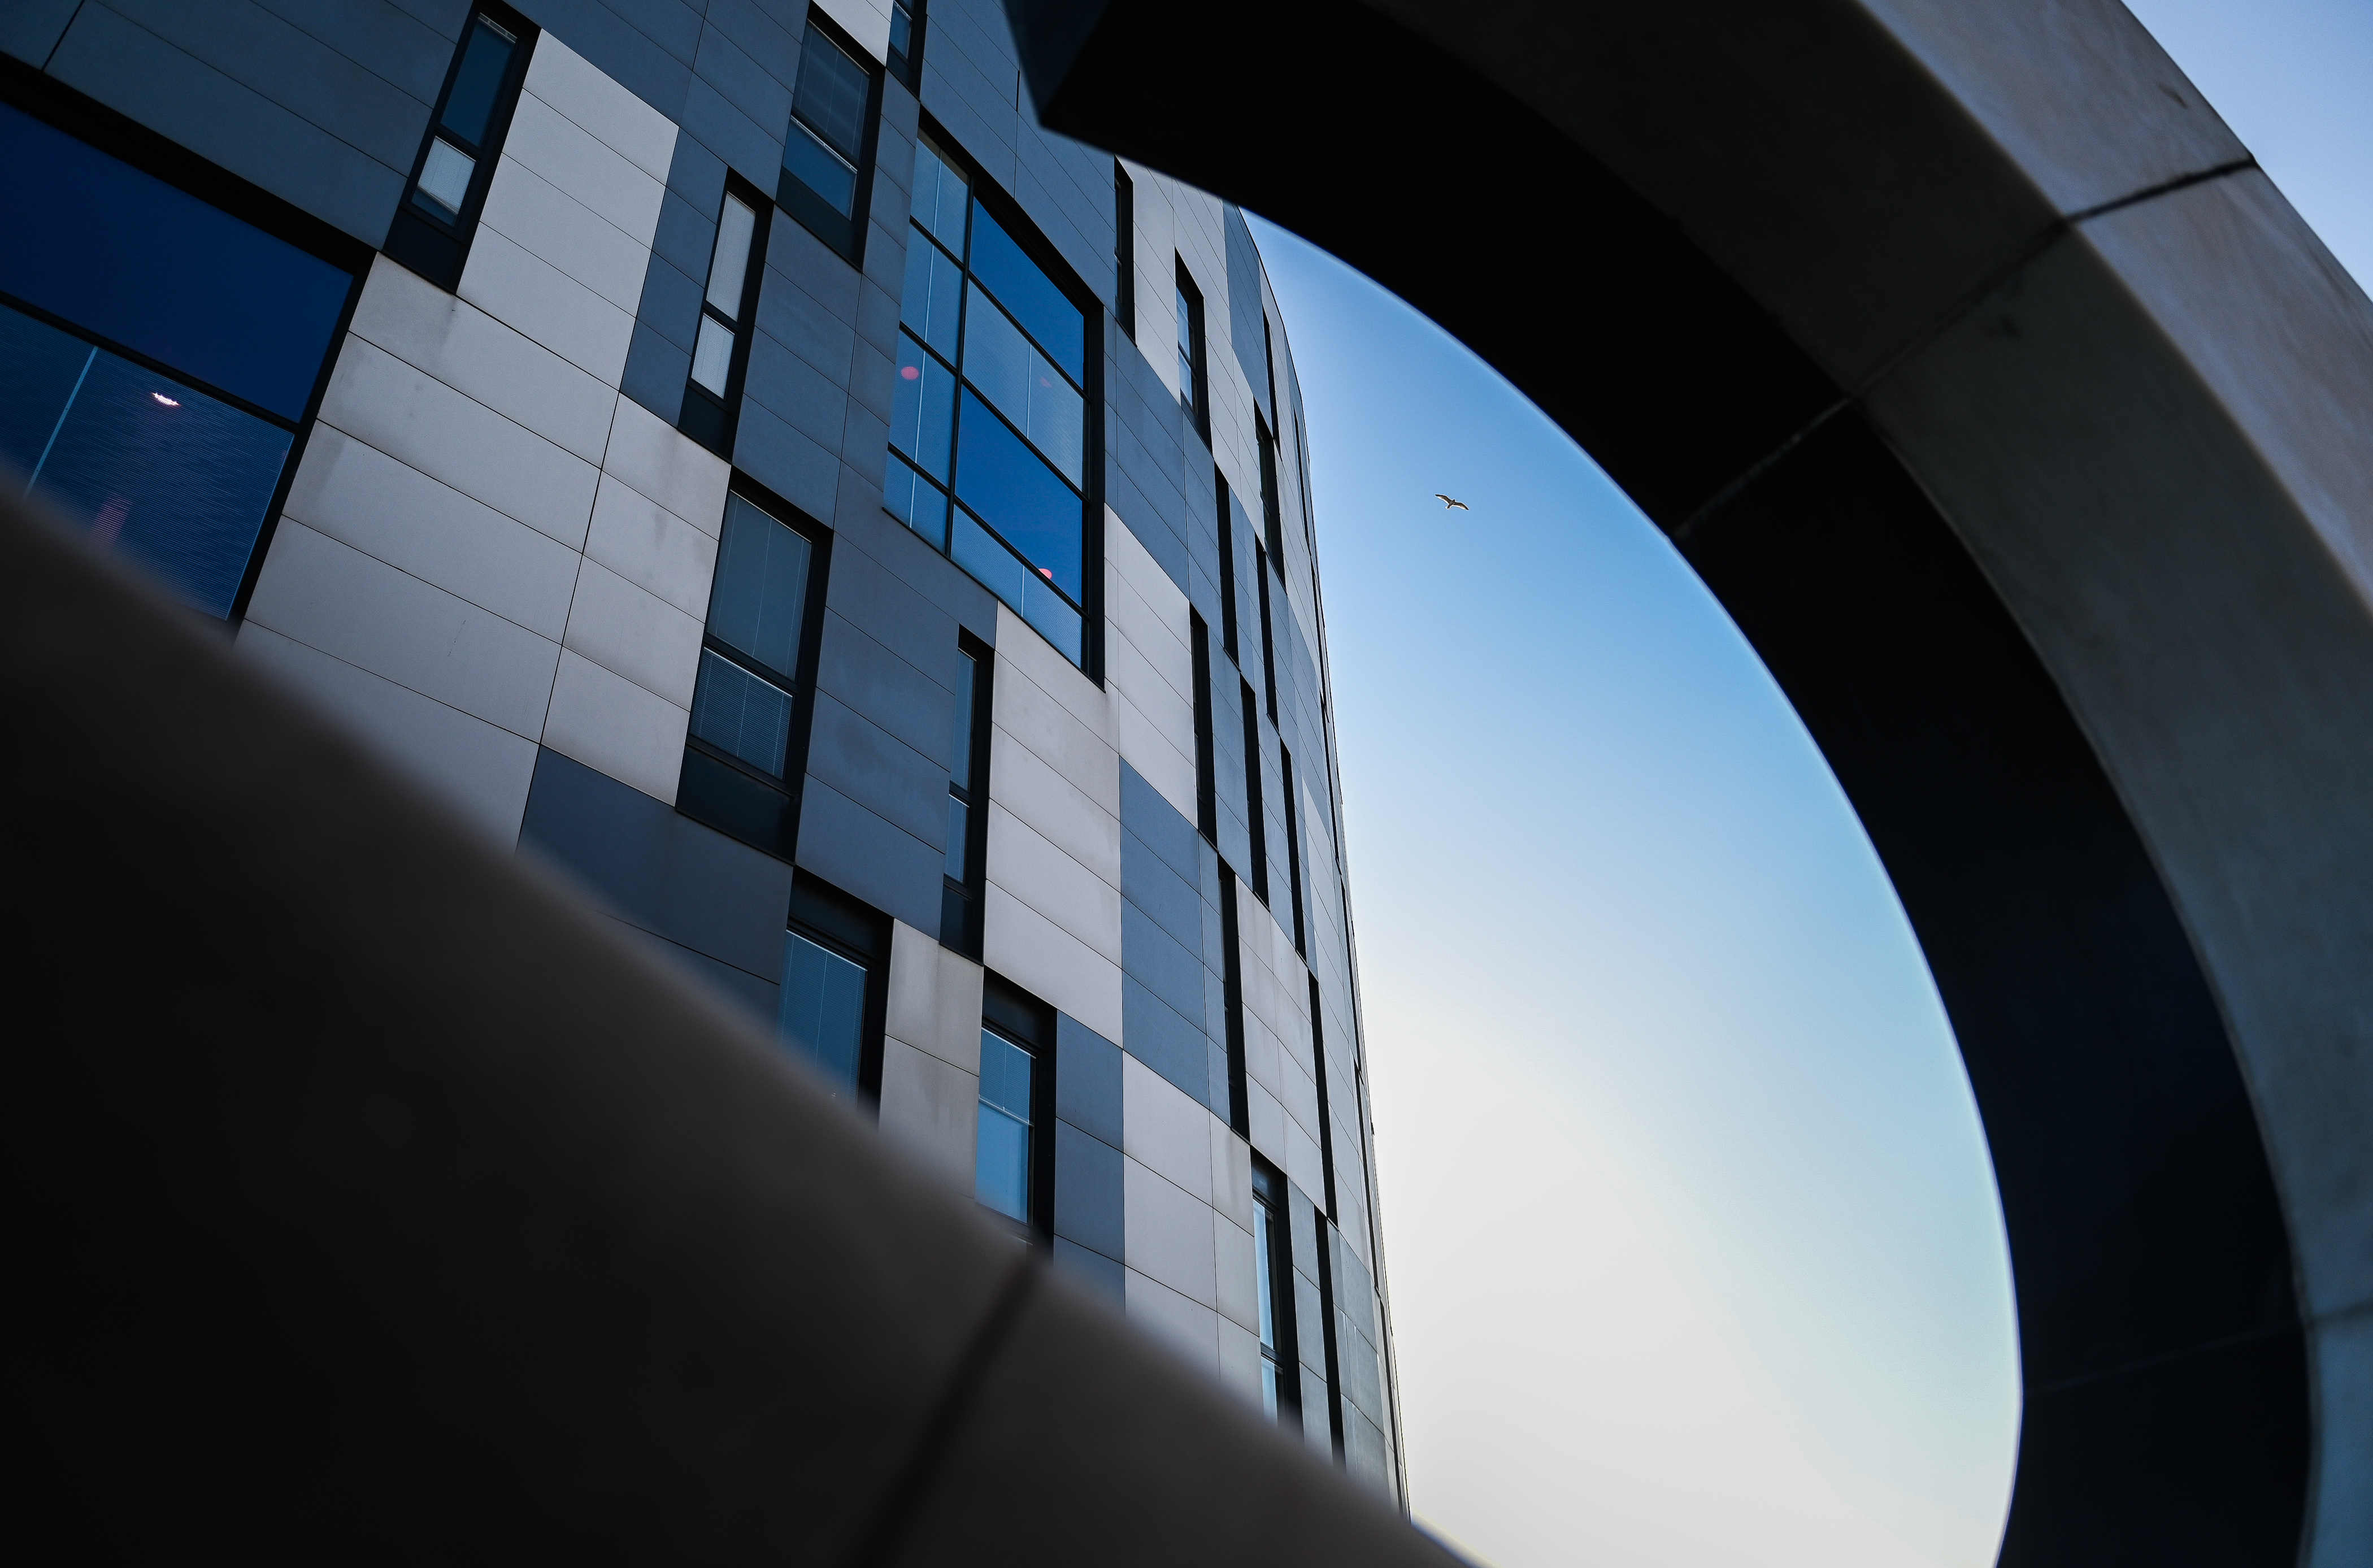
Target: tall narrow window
834, 954
1231, 990
1269, 641
1227, 564
1292, 847
1125, 250
1326, 1117
1206, 793
1255, 818
828, 146
967, 850
906, 42
720, 352
1272, 517
439, 214
749, 702
990, 417
1273, 1284
1012, 1164
1194, 397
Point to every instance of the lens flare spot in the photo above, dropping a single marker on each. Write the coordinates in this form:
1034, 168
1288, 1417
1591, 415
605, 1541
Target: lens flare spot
168, 402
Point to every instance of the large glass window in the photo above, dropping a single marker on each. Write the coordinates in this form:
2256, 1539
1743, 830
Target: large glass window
1194, 397
440, 212
828, 146
824, 1009
1006, 1136
746, 702
991, 408
721, 348
1273, 1284
157, 358
906, 42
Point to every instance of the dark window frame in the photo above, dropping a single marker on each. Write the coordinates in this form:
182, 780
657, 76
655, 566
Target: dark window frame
120, 136
1125, 250
419, 240
840, 922
1195, 400
1262, 560
961, 903
1326, 1115
707, 418
1228, 640
1018, 226
1207, 791
1255, 815
1273, 1195
1293, 845
1016, 1016
905, 66
1272, 512
1232, 988
709, 772
843, 234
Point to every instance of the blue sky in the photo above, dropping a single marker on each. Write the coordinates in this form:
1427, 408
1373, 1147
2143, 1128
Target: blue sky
1694, 1245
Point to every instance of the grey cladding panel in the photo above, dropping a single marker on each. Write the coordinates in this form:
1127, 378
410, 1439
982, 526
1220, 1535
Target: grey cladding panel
862, 853
1088, 1207
651, 54
1087, 1080
1244, 311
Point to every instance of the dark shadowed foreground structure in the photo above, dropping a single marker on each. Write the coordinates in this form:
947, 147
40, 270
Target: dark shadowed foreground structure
2027, 433
378, 1203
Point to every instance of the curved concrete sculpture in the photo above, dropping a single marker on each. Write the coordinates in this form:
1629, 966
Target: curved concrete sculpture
2028, 435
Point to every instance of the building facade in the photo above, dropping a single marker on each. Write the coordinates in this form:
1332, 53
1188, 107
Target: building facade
863, 542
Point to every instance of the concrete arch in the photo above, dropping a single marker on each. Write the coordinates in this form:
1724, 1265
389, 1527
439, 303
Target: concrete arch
2028, 434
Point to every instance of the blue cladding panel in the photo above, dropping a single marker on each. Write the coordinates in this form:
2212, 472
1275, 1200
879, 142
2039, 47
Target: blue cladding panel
130, 258
1088, 1206
1172, 1045
30, 28
1087, 1078
1099, 1273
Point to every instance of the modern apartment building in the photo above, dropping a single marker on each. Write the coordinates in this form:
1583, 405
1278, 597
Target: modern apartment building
863, 542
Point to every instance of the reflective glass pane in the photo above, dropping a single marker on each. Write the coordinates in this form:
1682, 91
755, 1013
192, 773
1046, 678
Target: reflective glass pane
133, 260
1001, 1163
824, 1009
1268, 1385
445, 178
831, 92
1043, 310
941, 194
1014, 492
1007, 576
469, 107
762, 587
934, 295
737, 712
915, 500
1005, 1076
820, 168
902, 28
712, 355
1007, 368
155, 469
923, 408
1264, 1267
730, 263
959, 838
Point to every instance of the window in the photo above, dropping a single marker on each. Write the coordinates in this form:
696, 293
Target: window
1326, 1117
439, 214
1227, 564
828, 146
1255, 818
748, 723
1292, 847
1272, 518
1194, 397
1125, 250
1206, 793
720, 352
906, 42
1013, 1173
1273, 1284
1269, 641
991, 406
967, 849
158, 355
1232, 989
834, 957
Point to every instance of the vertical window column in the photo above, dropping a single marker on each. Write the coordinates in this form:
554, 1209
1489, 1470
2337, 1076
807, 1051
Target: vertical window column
438, 215
1261, 559
1255, 818
1227, 565
828, 146
1292, 847
1273, 1284
1125, 250
720, 352
749, 705
1272, 516
1207, 783
968, 847
836, 957
906, 42
1013, 1149
1326, 1116
1194, 396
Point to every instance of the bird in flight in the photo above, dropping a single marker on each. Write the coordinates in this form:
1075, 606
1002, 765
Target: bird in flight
1448, 504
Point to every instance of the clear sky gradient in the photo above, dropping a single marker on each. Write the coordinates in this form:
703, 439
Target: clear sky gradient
1693, 1245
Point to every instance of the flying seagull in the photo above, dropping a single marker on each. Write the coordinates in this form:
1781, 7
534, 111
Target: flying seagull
1448, 504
